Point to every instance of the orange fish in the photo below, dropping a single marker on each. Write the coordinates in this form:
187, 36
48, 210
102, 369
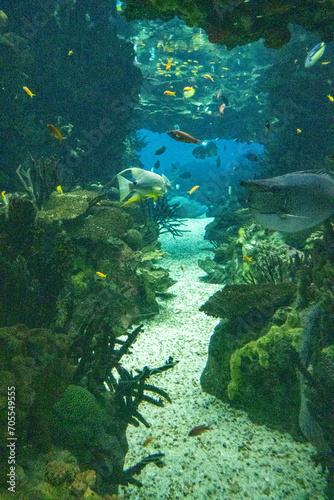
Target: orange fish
179, 136
208, 77
101, 274
168, 92
298, 131
56, 132
193, 189
28, 91
221, 109
247, 259
168, 65
186, 89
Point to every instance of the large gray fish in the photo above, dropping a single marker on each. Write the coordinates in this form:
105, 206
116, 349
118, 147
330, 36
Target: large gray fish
146, 185
291, 202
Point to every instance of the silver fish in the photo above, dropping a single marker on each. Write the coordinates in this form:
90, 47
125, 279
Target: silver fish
146, 185
315, 54
291, 202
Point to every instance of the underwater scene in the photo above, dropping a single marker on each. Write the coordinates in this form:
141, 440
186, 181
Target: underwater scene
167, 250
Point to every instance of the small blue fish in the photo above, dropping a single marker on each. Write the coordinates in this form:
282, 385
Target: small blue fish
315, 54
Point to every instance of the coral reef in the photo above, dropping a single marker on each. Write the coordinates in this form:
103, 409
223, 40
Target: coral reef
36, 362
274, 334
51, 411
87, 98
248, 301
235, 22
84, 272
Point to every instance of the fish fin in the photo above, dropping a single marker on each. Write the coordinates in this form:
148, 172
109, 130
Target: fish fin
124, 187
154, 196
135, 197
167, 181
136, 172
285, 216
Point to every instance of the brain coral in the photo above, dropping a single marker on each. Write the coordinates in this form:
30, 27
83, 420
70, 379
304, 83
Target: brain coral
78, 416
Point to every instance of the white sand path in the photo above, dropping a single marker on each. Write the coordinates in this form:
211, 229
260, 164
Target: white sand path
237, 459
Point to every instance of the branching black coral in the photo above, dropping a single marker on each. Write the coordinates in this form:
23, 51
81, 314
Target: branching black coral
164, 215
127, 476
129, 391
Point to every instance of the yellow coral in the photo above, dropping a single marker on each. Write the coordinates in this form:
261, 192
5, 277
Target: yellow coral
259, 350
91, 495
242, 235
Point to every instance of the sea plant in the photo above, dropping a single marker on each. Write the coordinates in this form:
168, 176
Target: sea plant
40, 179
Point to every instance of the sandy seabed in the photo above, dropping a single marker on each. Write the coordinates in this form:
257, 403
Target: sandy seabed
236, 459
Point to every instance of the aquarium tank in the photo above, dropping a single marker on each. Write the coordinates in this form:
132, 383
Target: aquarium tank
167, 250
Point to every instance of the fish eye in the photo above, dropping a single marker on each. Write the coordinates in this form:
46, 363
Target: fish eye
134, 183
275, 188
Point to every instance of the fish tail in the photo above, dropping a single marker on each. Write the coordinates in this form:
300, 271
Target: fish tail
124, 187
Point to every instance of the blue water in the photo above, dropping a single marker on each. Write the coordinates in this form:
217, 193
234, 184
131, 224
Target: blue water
215, 183
181, 153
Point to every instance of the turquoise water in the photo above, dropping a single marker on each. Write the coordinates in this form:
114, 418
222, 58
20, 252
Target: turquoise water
166, 250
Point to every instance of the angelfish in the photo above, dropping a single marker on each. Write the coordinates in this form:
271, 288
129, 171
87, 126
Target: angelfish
291, 202
315, 54
146, 185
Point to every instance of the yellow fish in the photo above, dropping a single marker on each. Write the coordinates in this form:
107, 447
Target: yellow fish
247, 259
168, 92
193, 189
59, 190
101, 274
326, 62
331, 98
168, 65
188, 92
225, 68
70, 53
56, 132
4, 198
298, 131
28, 91
208, 77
